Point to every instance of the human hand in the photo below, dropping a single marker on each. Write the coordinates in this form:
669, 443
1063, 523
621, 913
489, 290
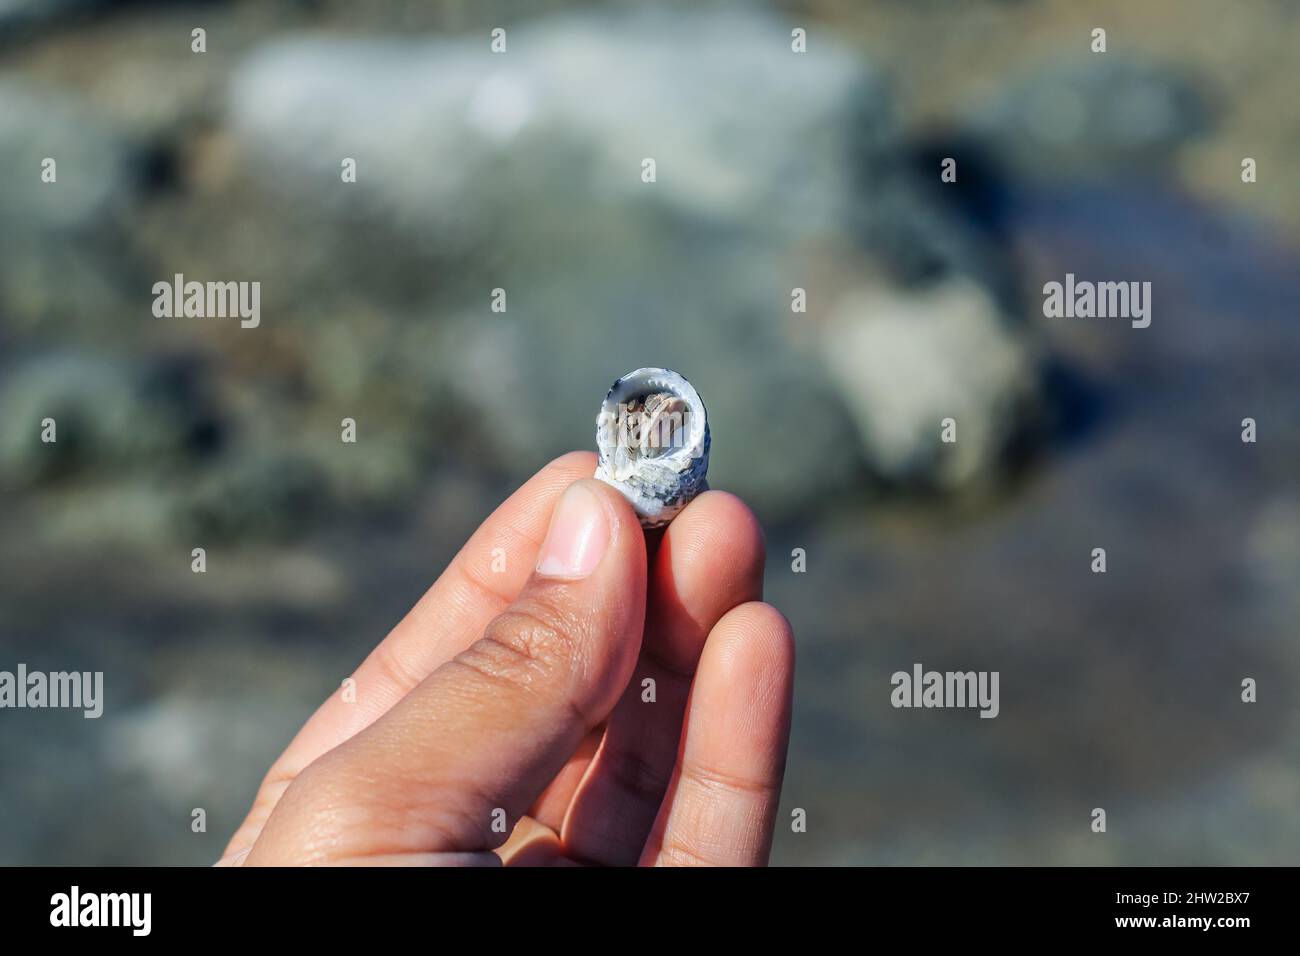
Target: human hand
520, 691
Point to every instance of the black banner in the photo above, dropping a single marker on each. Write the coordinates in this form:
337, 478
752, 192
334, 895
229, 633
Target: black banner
220, 905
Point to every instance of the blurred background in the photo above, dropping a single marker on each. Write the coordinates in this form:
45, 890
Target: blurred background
775, 171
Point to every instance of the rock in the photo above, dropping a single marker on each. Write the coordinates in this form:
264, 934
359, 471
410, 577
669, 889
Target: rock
906, 361
564, 118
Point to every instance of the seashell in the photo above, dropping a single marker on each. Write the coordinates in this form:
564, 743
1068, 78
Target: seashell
653, 437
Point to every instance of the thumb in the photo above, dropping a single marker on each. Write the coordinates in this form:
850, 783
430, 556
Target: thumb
453, 766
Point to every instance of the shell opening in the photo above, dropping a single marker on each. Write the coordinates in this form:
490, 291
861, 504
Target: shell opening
654, 425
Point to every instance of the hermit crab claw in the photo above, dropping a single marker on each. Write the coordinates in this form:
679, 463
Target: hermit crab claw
653, 437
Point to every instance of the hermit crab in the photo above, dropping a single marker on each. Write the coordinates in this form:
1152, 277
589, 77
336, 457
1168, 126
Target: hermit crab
653, 437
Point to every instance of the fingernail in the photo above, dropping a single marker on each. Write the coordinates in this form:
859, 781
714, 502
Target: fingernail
578, 536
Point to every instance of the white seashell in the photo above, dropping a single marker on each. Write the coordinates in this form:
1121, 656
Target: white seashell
653, 437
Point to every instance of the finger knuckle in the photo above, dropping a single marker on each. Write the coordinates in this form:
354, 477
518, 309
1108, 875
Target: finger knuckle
724, 784
681, 854
527, 645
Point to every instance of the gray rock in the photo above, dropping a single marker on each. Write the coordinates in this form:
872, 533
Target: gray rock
906, 361
444, 130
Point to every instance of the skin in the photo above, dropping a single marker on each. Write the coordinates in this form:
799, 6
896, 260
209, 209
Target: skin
521, 692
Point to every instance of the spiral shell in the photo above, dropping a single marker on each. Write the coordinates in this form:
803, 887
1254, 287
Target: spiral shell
653, 437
